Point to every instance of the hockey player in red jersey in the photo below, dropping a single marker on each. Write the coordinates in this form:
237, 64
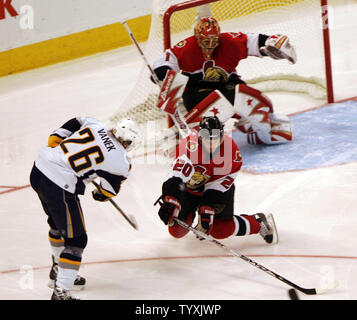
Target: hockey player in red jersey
204, 70
201, 180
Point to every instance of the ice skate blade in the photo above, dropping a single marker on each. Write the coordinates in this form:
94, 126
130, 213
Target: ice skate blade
271, 221
51, 284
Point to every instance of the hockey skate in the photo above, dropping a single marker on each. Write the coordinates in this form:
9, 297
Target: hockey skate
79, 283
268, 229
61, 294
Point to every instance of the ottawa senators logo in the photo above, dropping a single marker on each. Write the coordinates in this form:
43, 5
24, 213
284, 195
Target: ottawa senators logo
191, 146
181, 44
213, 73
238, 156
198, 179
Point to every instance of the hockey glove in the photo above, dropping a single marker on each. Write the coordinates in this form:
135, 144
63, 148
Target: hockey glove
169, 209
98, 196
205, 220
278, 47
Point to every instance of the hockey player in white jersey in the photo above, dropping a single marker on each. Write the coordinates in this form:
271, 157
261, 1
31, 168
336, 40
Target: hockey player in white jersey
78, 152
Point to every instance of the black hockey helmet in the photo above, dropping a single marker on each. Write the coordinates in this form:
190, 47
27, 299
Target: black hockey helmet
211, 128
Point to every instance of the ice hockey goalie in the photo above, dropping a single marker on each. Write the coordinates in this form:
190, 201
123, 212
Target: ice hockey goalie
202, 70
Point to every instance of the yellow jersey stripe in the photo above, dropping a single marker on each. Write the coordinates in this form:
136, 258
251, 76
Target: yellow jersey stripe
63, 260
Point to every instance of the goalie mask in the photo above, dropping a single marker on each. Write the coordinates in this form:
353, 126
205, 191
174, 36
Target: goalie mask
207, 33
211, 133
128, 133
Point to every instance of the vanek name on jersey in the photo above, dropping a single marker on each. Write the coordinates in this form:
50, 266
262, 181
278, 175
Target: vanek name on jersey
108, 143
87, 151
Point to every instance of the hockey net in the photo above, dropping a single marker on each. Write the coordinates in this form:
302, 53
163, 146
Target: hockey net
300, 20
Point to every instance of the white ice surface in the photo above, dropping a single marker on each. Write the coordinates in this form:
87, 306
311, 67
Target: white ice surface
315, 210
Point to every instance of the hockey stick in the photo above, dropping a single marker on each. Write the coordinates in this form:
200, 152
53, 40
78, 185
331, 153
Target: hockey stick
130, 219
177, 117
254, 263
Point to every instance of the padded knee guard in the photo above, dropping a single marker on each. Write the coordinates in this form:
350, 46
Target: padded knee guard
258, 120
80, 242
223, 228
177, 231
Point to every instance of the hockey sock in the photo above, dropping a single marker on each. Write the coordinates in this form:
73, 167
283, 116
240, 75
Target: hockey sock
68, 265
56, 242
238, 225
66, 278
246, 225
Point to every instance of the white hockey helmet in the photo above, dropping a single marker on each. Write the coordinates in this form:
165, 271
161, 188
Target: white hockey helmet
129, 131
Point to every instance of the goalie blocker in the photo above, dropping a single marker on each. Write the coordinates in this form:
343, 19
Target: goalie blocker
253, 110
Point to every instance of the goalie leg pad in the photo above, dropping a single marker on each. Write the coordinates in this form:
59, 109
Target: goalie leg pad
215, 104
258, 120
244, 125
279, 133
249, 100
281, 129
253, 107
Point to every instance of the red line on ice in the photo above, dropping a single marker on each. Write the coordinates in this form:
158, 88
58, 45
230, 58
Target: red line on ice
197, 257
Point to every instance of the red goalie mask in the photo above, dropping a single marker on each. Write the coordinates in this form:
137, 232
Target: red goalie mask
207, 33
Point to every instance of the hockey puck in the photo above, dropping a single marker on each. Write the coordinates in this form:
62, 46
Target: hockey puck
293, 294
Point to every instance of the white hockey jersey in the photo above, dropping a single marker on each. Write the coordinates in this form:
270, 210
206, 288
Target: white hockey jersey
88, 151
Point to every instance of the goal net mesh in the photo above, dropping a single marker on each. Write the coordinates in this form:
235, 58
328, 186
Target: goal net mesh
300, 20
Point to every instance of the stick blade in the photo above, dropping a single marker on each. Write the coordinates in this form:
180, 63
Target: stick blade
133, 222
321, 290
328, 288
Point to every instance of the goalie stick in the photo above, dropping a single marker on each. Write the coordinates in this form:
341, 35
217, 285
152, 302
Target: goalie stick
200, 234
177, 117
130, 219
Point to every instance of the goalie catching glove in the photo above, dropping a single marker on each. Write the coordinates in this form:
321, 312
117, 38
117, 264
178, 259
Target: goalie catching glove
278, 47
